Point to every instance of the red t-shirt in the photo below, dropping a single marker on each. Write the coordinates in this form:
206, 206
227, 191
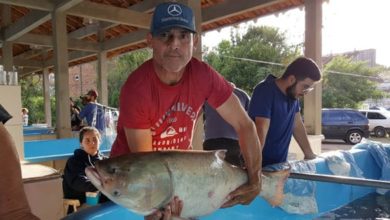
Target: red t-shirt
169, 111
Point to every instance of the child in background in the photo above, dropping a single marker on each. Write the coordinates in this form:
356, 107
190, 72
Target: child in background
25, 116
75, 183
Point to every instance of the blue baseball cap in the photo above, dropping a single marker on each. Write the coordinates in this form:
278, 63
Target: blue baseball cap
171, 14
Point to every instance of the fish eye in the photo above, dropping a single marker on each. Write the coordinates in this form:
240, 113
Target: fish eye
116, 193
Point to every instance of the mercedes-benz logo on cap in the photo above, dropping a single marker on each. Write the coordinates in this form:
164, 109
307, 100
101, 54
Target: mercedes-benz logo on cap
174, 10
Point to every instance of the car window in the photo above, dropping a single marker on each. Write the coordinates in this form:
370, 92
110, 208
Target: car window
375, 115
356, 116
351, 115
363, 113
338, 116
334, 116
325, 115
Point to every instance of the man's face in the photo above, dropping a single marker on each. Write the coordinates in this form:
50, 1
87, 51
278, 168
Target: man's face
172, 49
86, 99
300, 88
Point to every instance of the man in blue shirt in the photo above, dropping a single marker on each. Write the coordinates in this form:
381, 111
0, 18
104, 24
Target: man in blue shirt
275, 109
93, 112
221, 135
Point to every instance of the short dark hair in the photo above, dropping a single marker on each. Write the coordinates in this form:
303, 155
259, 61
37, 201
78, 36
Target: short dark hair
87, 129
303, 68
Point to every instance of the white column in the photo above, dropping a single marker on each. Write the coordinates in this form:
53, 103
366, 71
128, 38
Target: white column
313, 100
102, 84
61, 75
7, 45
313, 49
196, 8
197, 140
46, 96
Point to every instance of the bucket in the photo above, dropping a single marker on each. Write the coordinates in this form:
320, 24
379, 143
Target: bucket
92, 198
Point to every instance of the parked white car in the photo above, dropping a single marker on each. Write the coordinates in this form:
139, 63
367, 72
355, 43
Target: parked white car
379, 121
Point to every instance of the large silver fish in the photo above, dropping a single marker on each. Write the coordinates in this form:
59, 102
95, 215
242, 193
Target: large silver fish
146, 182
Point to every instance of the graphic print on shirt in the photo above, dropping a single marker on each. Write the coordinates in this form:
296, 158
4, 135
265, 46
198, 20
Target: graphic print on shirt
171, 131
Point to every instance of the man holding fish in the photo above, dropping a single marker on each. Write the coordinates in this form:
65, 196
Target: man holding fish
161, 99
13, 199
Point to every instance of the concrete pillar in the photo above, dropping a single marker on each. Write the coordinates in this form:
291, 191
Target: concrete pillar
102, 84
197, 140
12, 105
46, 97
313, 100
313, 49
61, 75
196, 8
7, 45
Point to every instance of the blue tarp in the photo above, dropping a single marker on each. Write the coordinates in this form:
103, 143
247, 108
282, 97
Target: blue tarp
381, 155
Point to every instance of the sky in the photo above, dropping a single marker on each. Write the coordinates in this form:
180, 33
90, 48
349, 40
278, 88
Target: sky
348, 25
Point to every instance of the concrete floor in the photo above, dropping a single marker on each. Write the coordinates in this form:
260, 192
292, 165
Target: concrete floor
329, 145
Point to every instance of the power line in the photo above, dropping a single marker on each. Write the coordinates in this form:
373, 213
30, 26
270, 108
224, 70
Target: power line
252, 60
354, 74
374, 78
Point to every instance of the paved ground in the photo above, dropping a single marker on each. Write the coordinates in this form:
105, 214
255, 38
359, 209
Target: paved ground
329, 145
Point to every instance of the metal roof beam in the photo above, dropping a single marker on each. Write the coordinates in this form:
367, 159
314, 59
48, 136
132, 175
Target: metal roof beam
61, 5
28, 70
30, 54
47, 41
128, 39
25, 25
146, 5
229, 8
34, 18
26, 63
90, 29
111, 14
72, 56
44, 5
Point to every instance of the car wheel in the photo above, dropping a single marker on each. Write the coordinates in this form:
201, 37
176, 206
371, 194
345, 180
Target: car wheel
354, 137
380, 132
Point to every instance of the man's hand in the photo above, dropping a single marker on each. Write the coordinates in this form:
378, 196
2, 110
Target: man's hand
310, 156
244, 194
173, 209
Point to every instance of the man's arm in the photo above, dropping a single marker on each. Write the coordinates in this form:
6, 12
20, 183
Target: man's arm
13, 200
139, 140
262, 126
300, 136
250, 146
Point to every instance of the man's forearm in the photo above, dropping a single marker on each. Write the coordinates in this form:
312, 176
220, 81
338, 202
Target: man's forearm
251, 151
303, 141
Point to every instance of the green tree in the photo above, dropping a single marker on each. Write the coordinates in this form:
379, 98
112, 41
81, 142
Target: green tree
32, 99
347, 83
240, 59
122, 67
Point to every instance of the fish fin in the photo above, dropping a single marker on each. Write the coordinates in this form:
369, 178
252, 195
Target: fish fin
221, 154
273, 186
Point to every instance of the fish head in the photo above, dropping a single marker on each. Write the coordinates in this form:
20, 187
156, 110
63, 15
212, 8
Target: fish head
139, 182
